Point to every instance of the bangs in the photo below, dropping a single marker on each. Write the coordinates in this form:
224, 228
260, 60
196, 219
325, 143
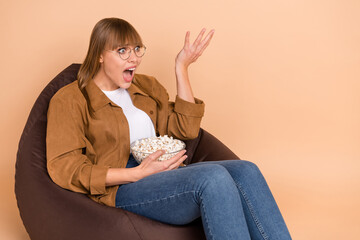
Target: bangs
123, 35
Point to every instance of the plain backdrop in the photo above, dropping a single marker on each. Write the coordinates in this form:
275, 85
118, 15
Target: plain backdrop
280, 80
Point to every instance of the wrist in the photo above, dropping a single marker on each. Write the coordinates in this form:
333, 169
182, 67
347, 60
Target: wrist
138, 173
180, 67
181, 73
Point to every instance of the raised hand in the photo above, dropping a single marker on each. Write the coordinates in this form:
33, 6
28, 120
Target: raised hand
191, 52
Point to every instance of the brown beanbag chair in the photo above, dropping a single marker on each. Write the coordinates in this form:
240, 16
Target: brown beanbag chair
50, 212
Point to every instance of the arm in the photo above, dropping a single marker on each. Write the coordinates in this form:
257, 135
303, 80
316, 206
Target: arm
149, 166
188, 55
186, 113
65, 140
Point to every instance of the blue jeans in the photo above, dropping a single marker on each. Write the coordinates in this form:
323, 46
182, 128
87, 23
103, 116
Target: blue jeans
231, 197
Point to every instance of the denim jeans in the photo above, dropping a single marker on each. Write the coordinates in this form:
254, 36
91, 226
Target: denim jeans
231, 197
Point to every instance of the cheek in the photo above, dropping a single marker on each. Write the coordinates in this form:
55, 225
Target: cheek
114, 66
139, 61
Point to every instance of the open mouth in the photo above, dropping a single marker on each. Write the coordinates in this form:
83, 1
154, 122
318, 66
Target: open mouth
128, 74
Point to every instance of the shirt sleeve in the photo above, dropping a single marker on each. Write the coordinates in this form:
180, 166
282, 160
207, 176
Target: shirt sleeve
67, 164
185, 118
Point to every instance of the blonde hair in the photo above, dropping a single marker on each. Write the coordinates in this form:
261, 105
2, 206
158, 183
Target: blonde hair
108, 33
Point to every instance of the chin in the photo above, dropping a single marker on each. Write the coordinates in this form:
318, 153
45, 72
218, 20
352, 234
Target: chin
125, 85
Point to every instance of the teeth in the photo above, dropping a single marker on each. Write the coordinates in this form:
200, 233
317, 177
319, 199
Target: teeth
131, 69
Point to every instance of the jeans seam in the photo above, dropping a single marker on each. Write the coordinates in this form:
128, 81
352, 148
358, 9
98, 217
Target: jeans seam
156, 200
251, 209
205, 218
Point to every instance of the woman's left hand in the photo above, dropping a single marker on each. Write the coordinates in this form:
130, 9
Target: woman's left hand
191, 52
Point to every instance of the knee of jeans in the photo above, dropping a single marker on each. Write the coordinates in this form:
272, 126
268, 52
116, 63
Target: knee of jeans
249, 168
215, 175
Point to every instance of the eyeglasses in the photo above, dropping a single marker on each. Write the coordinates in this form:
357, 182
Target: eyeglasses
125, 52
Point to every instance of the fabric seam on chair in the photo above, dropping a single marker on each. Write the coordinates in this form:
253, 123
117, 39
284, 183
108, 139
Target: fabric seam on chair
133, 225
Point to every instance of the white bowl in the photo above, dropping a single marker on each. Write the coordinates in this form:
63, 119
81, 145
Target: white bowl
155, 146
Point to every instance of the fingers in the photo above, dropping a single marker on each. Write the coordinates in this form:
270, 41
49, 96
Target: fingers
206, 41
154, 156
187, 39
199, 44
199, 37
175, 159
198, 41
177, 163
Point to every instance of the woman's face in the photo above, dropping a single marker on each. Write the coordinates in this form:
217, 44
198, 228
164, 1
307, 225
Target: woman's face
115, 72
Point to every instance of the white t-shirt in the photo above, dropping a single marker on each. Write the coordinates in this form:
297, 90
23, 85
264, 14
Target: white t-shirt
140, 124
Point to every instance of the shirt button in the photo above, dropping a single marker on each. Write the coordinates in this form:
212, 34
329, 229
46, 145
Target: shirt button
151, 112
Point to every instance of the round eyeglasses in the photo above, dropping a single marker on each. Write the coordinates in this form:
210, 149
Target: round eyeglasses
125, 52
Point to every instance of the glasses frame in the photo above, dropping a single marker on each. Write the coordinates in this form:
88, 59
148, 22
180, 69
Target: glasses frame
131, 50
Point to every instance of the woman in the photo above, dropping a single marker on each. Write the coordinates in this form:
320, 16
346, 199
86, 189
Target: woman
92, 121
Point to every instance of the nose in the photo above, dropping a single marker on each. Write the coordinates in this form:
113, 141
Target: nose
133, 57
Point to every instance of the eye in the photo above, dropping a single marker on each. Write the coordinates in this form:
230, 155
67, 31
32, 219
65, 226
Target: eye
137, 49
121, 50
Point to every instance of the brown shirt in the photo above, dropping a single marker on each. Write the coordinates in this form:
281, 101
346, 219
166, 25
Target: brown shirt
81, 147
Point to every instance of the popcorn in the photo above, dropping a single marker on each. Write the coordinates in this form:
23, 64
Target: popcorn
144, 147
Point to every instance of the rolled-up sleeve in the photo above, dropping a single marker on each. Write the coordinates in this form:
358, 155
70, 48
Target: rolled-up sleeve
67, 164
188, 108
97, 180
185, 118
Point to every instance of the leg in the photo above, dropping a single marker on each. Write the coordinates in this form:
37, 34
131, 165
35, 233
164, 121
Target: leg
182, 195
261, 211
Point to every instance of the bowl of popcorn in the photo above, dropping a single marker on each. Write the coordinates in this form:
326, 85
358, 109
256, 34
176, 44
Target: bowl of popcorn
142, 148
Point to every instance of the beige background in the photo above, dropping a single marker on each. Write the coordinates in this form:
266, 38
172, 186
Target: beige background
280, 81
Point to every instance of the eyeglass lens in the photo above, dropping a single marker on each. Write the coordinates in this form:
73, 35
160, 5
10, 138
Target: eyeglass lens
125, 52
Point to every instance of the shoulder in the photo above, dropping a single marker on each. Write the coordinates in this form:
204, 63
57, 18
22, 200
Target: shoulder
150, 85
69, 92
68, 95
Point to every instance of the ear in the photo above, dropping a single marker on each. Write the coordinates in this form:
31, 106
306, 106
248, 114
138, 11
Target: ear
101, 60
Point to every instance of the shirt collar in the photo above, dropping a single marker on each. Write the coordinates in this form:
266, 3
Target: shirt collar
98, 99
135, 89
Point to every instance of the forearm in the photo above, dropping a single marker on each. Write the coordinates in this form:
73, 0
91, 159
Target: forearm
150, 165
117, 176
183, 86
